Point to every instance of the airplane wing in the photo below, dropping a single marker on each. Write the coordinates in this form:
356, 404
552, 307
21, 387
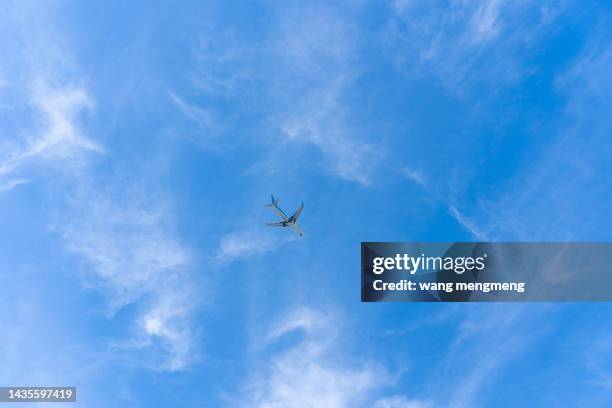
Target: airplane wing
275, 224
280, 213
297, 213
276, 209
297, 229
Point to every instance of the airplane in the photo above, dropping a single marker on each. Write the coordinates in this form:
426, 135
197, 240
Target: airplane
287, 221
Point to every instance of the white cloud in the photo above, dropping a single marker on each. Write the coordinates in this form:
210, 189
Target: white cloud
317, 54
417, 176
205, 119
44, 103
559, 178
471, 226
485, 24
136, 258
60, 108
400, 401
597, 357
315, 372
220, 69
126, 244
305, 376
319, 118
130, 252
168, 321
58, 140
10, 184
249, 242
556, 187
483, 346
310, 321
466, 45
311, 61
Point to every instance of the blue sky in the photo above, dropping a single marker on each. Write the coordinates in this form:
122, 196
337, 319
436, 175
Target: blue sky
139, 142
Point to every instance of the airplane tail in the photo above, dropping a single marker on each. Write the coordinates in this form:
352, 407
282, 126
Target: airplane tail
274, 202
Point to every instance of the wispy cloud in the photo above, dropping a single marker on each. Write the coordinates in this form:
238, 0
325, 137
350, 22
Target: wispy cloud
219, 69
249, 242
125, 242
433, 190
321, 120
484, 24
10, 184
199, 115
558, 181
44, 100
168, 320
311, 61
466, 223
135, 258
318, 52
567, 178
62, 136
464, 44
400, 401
482, 333
58, 140
417, 176
305, 375
596, 355
314, 372
210, 127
